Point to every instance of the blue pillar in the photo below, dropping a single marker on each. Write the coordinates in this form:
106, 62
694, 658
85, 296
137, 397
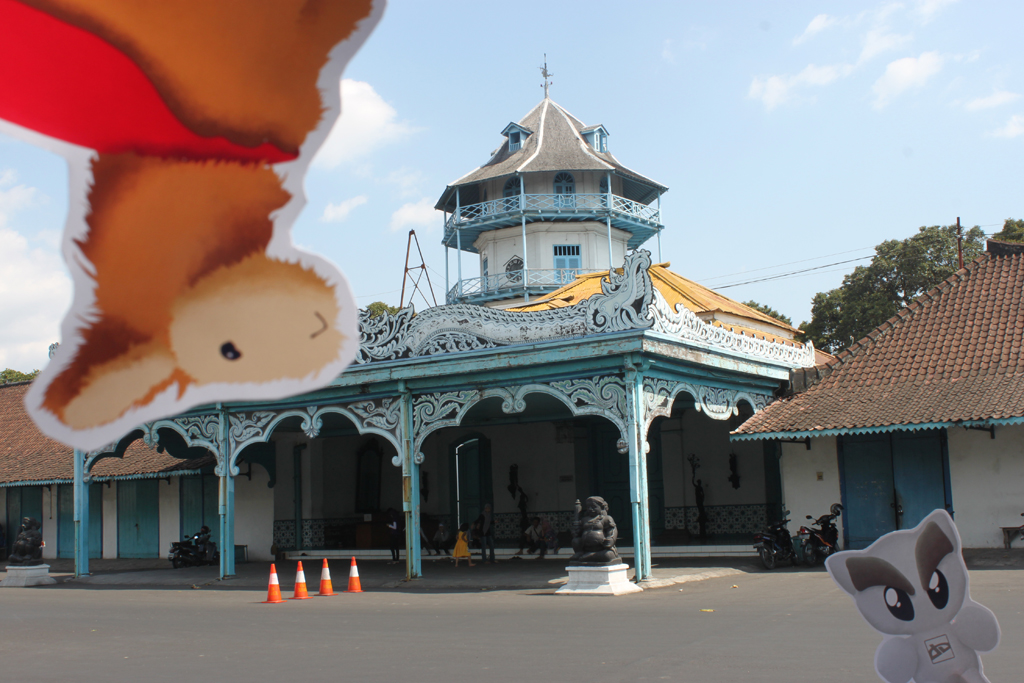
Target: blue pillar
637, 439
410, 489
81, 515
226, 499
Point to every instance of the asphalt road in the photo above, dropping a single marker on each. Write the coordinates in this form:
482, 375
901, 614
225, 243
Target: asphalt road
788, 626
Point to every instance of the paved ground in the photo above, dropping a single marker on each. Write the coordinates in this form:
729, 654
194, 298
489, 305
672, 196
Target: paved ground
788, 625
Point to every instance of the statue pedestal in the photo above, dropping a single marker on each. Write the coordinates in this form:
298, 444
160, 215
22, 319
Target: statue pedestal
610, 580
38, 575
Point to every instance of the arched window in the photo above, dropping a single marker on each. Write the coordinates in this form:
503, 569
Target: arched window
565, 190
510, 195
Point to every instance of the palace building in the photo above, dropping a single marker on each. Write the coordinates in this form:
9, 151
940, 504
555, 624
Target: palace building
572, 366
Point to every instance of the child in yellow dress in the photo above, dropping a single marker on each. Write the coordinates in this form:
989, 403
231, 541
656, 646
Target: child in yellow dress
462, 546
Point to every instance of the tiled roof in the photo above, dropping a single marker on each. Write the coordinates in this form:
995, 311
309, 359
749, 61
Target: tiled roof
709, 305
556, 146
953, 355
26, 455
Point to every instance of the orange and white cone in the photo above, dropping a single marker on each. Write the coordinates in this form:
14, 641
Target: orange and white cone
274, 589
353, 578
300, 584
325, 581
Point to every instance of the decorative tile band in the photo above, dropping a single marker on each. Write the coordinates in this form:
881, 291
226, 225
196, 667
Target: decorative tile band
722, 519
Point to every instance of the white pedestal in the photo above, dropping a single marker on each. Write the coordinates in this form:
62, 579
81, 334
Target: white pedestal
39, 575
610, 580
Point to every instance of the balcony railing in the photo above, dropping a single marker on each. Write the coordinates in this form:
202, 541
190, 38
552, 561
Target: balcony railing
512, 284
553, 203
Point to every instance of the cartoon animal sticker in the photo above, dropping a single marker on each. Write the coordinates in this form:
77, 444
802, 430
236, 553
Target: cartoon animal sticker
188, 127
912, 586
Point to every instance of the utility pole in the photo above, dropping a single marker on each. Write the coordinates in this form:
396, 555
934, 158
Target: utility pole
959, 243
422, 268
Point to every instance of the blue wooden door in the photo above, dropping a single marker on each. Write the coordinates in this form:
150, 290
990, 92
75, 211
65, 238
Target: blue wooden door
610, 475
868, 489
138, 518
918, 476
200, 505
66, 520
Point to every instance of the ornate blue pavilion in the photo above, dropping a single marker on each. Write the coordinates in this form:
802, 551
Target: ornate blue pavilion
622, 357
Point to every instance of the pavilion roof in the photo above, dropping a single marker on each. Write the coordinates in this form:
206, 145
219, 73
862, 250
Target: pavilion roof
557, 145
27, 456
953, 356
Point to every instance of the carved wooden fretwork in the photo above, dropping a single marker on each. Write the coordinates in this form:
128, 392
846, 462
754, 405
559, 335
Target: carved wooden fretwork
684, 324
622, 305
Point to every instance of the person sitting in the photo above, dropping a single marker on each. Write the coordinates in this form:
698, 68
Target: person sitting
441, 540
537, 541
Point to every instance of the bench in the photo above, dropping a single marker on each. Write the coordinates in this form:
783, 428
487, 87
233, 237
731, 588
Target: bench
1008, 533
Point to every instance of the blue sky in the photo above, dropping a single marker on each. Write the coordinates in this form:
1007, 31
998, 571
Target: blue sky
792, 135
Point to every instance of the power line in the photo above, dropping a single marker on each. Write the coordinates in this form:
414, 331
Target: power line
791, 274
780, 265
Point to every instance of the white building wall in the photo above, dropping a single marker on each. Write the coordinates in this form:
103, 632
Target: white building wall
708, 439
498, 246
254, 513
169, 497
110, 521
802, 492
987, 477
49, 521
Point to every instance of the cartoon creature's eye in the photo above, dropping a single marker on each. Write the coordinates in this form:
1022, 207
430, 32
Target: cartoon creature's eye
229, 351
938, 590
899, 603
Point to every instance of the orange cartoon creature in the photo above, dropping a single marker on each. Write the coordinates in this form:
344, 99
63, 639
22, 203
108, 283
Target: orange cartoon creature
188, 127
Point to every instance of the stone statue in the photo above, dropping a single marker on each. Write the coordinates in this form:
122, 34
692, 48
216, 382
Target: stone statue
28, 547
594, 535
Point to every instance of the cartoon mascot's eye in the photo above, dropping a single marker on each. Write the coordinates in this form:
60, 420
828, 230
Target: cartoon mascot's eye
899, 604
938, 590
229, 351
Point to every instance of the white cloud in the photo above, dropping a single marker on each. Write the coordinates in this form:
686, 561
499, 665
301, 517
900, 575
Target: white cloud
407, 181
817, 25
905, 74
337, 213
1014, 128
419, 214
776, 90
34, 287
366, 123
879, 40
994, 100
927, 9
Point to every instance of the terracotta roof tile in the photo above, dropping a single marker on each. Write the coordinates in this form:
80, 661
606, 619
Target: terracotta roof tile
952, 355
27, 455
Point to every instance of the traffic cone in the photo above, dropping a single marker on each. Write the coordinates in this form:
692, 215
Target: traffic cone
353, 578
300, 584
325, 581
274, 590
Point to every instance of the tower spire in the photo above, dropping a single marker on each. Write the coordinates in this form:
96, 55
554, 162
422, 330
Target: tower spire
546, 74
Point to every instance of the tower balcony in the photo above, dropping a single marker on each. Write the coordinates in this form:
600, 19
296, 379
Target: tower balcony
465, 225
513, 284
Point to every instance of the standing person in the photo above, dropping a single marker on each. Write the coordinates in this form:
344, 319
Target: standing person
394, 534
702, 514
462, 546
486, 521
550, 535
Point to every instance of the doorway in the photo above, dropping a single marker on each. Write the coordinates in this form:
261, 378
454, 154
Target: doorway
891, 481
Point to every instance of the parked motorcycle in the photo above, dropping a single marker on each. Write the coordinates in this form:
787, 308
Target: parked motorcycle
774, 544
194, 551
823, 541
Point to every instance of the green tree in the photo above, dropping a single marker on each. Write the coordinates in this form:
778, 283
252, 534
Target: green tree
379, 307
9, 375
1013, 231
899, 272
769, 311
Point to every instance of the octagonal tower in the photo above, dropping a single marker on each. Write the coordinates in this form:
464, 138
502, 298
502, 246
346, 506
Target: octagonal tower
554, 187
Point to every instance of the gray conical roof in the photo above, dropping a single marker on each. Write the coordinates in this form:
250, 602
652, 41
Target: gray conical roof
556, 145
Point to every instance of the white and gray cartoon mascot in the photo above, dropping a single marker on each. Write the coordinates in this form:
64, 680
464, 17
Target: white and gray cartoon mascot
912, 586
